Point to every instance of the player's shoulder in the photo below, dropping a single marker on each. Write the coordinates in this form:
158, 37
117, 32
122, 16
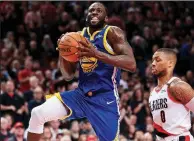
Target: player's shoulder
177, 84
174, 81
115, 29
115, 34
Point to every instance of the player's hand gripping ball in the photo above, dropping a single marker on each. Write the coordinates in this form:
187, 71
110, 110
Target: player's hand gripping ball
68, 46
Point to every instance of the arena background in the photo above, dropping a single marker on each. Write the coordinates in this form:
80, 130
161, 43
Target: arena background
29, 33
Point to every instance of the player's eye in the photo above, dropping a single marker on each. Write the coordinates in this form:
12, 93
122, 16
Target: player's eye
99, 11
91, 10
158, 60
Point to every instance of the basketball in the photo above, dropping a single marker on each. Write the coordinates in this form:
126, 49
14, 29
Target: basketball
68, 46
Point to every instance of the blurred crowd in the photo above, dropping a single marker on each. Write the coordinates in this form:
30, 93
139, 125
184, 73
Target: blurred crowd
29, 62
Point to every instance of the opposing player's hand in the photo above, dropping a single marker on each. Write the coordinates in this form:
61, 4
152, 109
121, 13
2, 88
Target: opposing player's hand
87, 50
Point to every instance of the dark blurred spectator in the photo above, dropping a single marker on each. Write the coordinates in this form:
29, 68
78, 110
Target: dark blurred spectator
48, 13
86, 127
131, 27
63, 22
60, 8
185, 54
54, 69
9, 41
49, 49
24, 75
13, 71
131, 132
139, 135
147, 137
18, 132
35, 50
73, 26
48, 84
158, 37
77, 12
188, 24
190, 78
82, 137
40, 76
36, 66
3, 87
21, 53
4, 75
116, 21
37, 98
7, 55
139, 108
33, 18
4, 134
192, 58
139, 46
8, 17
28, 95
21, 33
75, 130
12, 103
47, 134
55, 129
10, 120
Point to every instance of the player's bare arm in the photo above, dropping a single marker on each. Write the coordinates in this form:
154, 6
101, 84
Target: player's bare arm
123, 57
67, 68
183, 93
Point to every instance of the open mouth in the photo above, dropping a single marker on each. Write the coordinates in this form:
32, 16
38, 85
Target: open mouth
94, 20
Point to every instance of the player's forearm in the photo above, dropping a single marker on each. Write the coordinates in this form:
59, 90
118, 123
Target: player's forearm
67, 68
121, 61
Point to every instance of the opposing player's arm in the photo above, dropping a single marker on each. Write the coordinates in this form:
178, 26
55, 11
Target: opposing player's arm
123, 57
183, 93
67, 68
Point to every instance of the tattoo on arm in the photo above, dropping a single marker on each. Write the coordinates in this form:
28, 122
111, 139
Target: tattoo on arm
181, 91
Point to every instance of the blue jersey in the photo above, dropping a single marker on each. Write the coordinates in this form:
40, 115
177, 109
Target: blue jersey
94, 74
102, 107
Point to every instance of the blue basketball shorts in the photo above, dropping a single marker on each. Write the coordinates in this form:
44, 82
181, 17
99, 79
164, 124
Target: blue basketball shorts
101, 109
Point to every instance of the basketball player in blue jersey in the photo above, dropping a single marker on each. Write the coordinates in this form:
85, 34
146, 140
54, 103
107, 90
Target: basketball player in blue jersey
96, 97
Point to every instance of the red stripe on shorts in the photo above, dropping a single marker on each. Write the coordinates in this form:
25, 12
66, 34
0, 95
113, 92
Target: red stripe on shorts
187, 138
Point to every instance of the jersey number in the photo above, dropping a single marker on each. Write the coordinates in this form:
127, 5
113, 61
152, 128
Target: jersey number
162, 114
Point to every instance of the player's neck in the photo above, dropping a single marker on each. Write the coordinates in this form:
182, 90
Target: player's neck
92, 30
164, 79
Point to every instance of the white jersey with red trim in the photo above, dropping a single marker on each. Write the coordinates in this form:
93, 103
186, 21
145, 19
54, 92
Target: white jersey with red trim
170, 117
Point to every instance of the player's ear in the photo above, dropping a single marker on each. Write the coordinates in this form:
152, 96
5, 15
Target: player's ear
170, 63
106, 19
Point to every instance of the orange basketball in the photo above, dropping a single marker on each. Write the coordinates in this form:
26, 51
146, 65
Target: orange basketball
68, 46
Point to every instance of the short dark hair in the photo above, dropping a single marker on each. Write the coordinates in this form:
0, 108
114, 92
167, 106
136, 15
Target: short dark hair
106, 9
168, 51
